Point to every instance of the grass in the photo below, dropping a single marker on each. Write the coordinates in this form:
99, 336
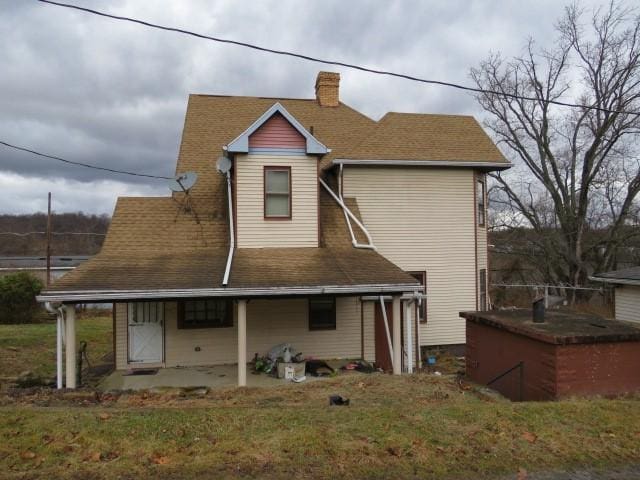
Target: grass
32, 347
419, 426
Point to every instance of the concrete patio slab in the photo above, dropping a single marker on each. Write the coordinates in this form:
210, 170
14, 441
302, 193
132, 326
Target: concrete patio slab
218, 376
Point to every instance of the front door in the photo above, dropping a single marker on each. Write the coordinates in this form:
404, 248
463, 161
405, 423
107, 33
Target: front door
383, 356
146, 332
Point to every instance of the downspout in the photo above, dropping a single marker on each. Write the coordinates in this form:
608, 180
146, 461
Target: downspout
386, 328
348, 212
417, 322
232, 235
59, 312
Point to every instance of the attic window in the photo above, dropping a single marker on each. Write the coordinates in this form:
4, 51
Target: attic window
277, 193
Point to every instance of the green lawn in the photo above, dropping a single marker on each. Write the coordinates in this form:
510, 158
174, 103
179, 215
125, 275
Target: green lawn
32, 347
396, 427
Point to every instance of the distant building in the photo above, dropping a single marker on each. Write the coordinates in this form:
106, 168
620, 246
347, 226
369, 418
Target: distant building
38, 265
627, 292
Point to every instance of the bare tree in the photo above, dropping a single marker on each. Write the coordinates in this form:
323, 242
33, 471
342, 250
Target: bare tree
579, 168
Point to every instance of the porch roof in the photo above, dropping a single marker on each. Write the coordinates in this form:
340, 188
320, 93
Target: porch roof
256, 272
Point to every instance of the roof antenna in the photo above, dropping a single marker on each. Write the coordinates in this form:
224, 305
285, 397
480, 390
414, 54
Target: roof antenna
183, 183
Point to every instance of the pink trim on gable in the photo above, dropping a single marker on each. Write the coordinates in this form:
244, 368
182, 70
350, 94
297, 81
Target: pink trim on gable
277, 132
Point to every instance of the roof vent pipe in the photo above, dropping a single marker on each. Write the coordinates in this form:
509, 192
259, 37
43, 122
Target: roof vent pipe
538, 310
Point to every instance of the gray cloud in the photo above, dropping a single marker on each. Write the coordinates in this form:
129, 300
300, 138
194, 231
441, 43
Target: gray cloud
114, 94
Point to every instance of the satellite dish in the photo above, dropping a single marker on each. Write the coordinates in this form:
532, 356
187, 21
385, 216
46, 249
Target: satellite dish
183, 182
223, 164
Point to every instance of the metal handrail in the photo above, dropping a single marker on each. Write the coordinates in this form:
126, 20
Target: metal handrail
519, 365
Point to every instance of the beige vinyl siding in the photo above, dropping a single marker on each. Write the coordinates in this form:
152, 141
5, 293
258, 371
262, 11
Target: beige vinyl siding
256, 232
121, 334
269, 322
423, 219
628, 303
369, 331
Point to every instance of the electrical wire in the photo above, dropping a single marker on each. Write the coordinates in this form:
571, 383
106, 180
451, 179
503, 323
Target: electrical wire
80, 164
335, 62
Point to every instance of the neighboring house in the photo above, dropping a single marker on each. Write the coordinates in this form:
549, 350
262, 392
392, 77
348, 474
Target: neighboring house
37, 266
627, 292
302, 270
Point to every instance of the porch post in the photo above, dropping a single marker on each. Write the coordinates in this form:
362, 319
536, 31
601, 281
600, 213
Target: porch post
59, 335
70, 345
408, 328
397, 337
242, 343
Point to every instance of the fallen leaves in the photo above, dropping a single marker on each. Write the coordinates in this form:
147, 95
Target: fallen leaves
27, 455
160, 459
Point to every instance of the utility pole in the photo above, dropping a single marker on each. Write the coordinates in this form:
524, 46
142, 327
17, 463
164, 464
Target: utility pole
49, 242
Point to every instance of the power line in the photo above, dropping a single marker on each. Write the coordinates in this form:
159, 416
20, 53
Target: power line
80, 164
25, 234
334, 62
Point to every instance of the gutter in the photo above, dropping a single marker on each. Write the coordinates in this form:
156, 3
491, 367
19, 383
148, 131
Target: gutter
81, 296
616, 281
424, 163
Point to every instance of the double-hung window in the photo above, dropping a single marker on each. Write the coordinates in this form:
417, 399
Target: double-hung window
481, 208
277, 192
322, 313
205, 314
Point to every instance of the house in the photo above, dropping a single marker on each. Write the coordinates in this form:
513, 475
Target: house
37, 266
627, 292
309, 223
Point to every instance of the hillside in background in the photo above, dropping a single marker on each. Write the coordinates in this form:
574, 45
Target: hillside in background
67, 244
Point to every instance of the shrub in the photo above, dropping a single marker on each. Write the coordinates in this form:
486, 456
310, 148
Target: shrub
18, 298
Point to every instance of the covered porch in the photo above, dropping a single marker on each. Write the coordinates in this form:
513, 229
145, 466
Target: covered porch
270, 291
218, 357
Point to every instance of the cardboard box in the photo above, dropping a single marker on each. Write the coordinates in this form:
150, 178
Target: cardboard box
290, 370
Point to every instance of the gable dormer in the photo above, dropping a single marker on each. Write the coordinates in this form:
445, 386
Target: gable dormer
276, 182
241, 143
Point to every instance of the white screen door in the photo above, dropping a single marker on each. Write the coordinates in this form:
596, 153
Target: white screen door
146, 332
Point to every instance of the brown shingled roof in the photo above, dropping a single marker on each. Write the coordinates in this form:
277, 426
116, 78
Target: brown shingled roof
149, 247
412, 136
152, 246
212, 122
253, 268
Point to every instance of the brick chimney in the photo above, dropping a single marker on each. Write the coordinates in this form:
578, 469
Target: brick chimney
328, 89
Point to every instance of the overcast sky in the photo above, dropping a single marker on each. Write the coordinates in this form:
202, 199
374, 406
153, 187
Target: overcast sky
114, 94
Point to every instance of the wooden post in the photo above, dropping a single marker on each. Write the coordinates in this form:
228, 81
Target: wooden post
70, 345
242, 343
397, 337
49, 241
